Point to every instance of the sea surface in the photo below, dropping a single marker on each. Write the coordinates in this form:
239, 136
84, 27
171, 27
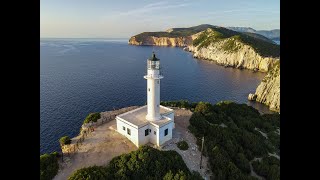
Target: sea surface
80, 76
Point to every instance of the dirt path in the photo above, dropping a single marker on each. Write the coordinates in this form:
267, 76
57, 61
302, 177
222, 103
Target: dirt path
98, 149
191, 156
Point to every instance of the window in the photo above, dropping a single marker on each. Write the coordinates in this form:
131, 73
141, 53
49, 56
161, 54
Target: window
154, 132
128, 131
124, 128
148, 89
149, 130
158, 81
165, 132
146, 132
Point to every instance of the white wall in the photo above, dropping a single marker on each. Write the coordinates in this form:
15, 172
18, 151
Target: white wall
142, 138
153, 138
134, 132
162, 138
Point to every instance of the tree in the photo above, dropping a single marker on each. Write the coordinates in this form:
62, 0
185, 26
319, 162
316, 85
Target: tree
92, 172
49, 166
64, 140
203, 107
92, 117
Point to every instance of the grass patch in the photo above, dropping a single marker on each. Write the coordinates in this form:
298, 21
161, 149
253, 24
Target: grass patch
183, 145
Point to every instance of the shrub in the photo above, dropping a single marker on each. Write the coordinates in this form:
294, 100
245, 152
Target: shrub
145, 163
231, 148
183, 145
92, 117
64, 140
48, 166
92, 172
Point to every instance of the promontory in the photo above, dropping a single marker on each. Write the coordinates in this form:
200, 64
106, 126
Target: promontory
228, 48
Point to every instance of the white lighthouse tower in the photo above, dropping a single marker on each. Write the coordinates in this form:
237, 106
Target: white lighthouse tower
153, 88
151, 123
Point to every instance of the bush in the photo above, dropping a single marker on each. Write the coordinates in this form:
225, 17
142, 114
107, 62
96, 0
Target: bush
92, 117
64, 140
183, 145
145, 163
92, 172
49, 166
231, 148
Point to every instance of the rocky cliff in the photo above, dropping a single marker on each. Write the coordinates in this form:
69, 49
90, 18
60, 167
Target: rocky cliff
227, 48
268, 92
231, 52
162, 41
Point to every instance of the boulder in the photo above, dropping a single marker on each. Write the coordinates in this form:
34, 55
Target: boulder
252, 97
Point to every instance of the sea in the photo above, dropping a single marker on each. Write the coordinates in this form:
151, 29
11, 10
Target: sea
80, 76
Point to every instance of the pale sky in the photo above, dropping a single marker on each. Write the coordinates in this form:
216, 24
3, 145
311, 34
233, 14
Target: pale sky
125, 18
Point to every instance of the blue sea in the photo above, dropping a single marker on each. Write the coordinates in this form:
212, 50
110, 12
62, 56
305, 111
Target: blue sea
80, 76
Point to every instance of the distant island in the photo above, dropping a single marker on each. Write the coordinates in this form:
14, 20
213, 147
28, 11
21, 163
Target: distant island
271, 34
243, 50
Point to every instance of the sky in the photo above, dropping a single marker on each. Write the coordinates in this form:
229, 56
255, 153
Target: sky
125, 18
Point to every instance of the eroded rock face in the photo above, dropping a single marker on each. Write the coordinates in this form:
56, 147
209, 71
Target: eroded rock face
268, 92
244, 57
252, 97
162, 41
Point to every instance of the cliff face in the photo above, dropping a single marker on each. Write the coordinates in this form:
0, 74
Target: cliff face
268, 92
162, 41
244, 57
229, 50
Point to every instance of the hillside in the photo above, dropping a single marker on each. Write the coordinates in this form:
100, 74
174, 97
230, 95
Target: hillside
185, 37
237, 137
268, 91
225, 47
271, 34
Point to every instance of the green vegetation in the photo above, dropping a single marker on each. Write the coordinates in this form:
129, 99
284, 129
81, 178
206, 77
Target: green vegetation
268, 167
183, 145
145, 163
262, 46
181, 104
274, 72
48, 166
177, 32
64, 140
92, 117
231, 148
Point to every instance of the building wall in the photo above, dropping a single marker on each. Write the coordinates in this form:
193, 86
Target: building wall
162, 138
153, 137
134, 131
142, 138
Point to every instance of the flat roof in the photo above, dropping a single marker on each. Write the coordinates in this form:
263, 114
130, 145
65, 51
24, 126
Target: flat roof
137, 117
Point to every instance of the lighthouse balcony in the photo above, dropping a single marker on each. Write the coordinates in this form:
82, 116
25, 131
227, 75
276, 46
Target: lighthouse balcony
152, 76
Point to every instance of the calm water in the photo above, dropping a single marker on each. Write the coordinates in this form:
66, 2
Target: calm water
80, 76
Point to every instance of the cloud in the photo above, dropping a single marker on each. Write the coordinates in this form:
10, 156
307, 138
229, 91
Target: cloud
242, 10
147, 9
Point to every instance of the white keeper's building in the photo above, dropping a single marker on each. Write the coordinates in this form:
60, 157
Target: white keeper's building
151, 123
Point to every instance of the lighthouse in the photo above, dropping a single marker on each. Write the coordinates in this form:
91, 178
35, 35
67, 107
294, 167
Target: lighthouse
151, 123
153, 88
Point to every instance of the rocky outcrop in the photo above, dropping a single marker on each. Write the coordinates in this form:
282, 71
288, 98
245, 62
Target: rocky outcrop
252, 97
230, 52
268, 92
245, 57
239, 56
162, 41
